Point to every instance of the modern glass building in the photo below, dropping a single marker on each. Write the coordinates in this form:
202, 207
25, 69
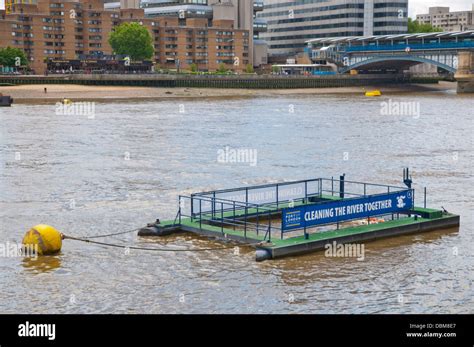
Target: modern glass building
292, 22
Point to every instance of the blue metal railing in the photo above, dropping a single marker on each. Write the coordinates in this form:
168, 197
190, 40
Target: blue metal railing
245, 208
276, 193
402, 47
324, 73
238, 215
267, 194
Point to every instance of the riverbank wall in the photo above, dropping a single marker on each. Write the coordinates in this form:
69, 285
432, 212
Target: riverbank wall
218, 81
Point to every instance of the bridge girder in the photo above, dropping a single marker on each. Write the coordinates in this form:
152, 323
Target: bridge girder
377, 59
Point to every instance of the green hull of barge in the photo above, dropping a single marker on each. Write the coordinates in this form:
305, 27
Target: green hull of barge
422, 221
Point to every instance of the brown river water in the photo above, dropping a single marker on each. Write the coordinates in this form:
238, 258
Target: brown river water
126, 166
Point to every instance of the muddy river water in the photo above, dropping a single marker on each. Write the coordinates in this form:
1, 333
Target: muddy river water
126, 164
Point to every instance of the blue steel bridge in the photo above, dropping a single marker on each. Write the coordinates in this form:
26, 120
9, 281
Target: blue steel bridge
392, 52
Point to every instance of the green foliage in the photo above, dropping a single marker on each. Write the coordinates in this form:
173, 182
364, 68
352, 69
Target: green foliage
132, 39
249, 68
416, 27
222, 68
275, 69
9, 57
193, 67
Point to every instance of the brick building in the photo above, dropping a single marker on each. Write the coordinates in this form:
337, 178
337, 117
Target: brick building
66, 30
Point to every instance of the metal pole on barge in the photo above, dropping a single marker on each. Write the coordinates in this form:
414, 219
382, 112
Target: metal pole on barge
341, 186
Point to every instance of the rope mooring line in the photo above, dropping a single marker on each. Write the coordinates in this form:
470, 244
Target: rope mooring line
113, 234
151, 249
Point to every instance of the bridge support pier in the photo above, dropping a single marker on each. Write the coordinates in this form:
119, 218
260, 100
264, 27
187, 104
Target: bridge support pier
465, 73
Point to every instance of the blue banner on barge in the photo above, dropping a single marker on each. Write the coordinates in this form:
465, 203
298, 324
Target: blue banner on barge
338, 211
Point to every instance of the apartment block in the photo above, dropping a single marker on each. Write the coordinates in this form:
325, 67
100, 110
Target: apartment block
242, 12
67, 30
442, 18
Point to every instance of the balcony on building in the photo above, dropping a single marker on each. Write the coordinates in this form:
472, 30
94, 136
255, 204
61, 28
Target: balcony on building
258, 5
259, 25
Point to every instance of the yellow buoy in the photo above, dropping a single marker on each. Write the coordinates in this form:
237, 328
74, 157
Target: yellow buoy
44, 238
373, 93
67, 101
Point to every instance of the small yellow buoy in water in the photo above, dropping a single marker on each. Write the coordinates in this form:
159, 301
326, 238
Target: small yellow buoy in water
44, 238
373, 93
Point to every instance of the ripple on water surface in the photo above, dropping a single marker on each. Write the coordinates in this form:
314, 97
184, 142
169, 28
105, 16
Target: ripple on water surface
127, 166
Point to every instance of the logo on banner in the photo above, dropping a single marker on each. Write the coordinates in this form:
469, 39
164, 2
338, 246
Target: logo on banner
293, 218
401, 201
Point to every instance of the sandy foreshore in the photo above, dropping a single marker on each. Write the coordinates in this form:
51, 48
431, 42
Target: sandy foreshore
35, 93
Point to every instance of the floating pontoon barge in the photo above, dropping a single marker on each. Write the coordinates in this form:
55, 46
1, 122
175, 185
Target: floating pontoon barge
292, 218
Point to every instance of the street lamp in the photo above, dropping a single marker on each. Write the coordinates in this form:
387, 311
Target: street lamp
177, 63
